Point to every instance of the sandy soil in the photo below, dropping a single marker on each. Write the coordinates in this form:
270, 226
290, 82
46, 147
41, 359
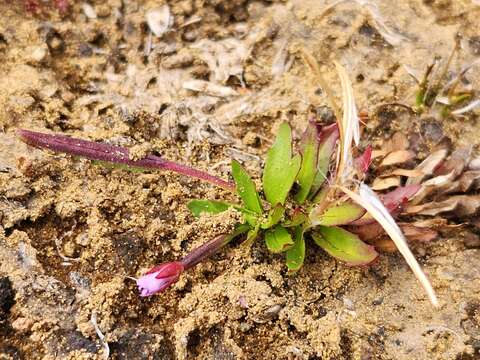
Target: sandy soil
70, 231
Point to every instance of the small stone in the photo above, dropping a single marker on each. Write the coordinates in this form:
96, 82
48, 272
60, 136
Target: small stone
39, 54
378, 301
69, 249
244, 327
251, 139
82, 239
89, 11
271, 313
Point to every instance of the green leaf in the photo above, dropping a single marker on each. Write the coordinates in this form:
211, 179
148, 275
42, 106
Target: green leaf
197, 207
280, 168
246, 188
328, 138
278, 239
309, 150
296, 254
337, 215
274, 216
344, 245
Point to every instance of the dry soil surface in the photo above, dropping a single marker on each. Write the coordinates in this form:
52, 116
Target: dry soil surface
70, 231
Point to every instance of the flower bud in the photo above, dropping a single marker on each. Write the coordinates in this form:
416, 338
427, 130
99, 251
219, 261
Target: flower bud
159, 278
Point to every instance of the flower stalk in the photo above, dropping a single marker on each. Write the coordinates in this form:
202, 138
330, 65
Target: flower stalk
160, 277
114, 154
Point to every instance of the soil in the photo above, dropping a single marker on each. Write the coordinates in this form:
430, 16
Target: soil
71, 231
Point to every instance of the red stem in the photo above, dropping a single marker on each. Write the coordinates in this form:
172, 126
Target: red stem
114, 154
204, 251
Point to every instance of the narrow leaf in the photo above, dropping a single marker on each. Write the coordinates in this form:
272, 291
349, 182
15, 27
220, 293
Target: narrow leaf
309, 150
328, 138
197, 207
246, 188
296, 254
278, 239
337, 215
349, 124
274, 217
280, 168
344, 245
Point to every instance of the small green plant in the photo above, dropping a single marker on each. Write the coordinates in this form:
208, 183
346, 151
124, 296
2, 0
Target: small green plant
303, 196
436, 92
286, 215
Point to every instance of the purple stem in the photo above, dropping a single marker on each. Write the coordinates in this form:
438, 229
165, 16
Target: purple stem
210, 247
114, 154
204, 251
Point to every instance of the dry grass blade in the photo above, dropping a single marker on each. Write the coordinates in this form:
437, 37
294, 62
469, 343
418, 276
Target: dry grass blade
374, 206
349, 125
313, 65
471, 106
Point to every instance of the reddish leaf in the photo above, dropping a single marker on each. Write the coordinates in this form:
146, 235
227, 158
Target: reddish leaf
362, 163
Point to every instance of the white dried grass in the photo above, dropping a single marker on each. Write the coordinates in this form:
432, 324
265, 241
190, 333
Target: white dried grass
370, 202
349, 125
159, 20
93, 320
209, 88
471, 106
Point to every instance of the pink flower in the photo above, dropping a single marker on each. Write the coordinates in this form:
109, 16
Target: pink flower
159, 278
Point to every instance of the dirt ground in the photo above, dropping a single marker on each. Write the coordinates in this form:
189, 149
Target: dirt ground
70, 231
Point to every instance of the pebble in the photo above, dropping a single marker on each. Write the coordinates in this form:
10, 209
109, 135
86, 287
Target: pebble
89, 11
82, 239
39, 54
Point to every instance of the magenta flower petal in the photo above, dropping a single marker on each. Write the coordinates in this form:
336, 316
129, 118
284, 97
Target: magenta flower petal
159, 278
